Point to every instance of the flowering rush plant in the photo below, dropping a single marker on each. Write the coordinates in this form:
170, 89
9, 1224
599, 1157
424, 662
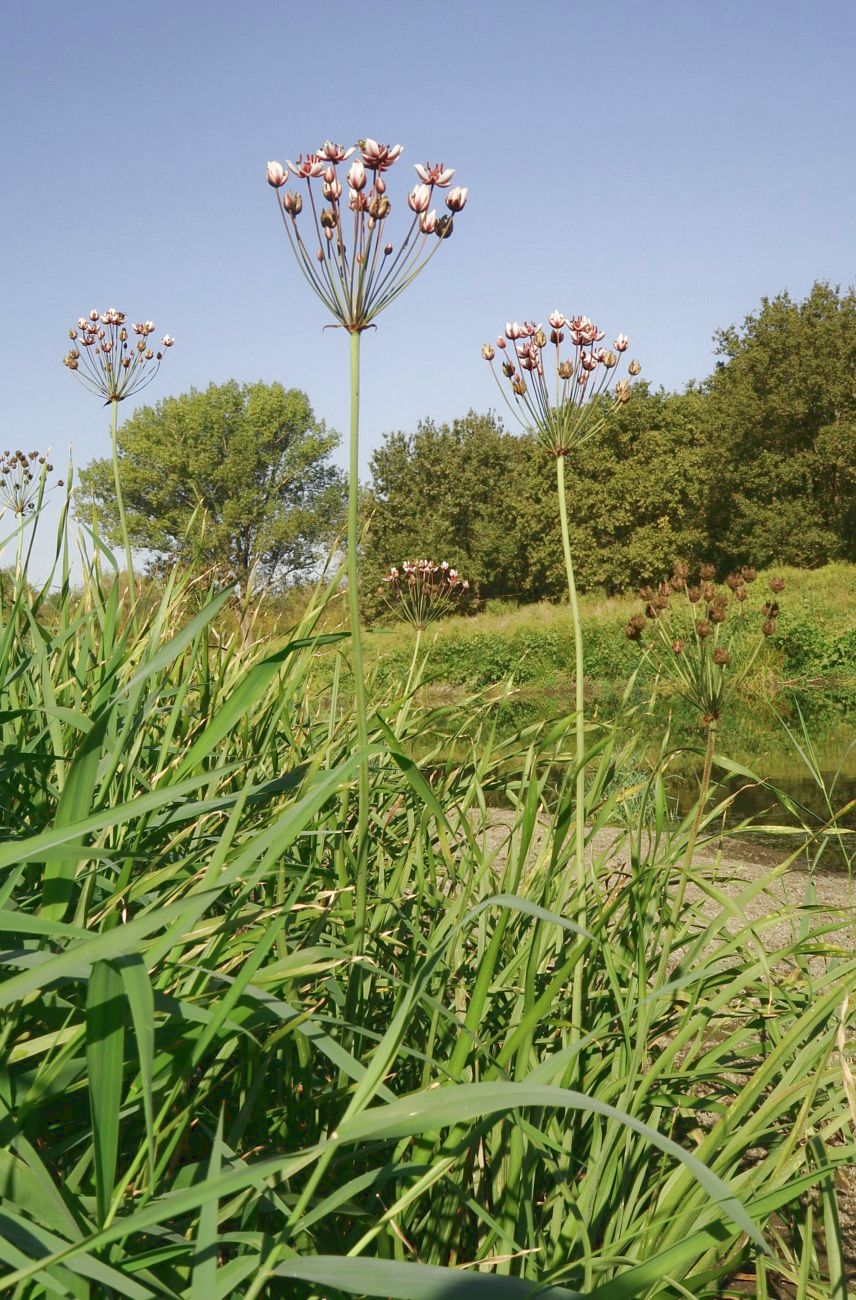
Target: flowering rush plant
422, 591
336, 220
108, 361
552, 386
22, 481
700, 632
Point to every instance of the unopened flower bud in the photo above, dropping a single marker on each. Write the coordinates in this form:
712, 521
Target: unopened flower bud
501, 343
507, 369
622, 343
488, 352
356, 176
703, 628
748, 573
678, 646
768, 627
387, 249
634, 368
540, 339
518, 386
623, 391
777, 585
378, 207
610, 360
456, 198
564, 369
721, 657
419, 198
276, 175
707, 571
428, 222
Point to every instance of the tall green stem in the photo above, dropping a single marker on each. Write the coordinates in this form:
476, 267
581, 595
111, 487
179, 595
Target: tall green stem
120, 503
580, 809
356, 644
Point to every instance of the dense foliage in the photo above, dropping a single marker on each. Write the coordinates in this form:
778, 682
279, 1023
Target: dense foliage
236, 478
756, 465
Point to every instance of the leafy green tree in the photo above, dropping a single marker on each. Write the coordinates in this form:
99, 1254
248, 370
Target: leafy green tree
485, 500
781, 424
448, 492
236, 478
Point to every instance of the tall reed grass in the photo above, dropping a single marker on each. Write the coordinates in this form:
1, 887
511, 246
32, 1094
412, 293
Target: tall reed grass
214, 1084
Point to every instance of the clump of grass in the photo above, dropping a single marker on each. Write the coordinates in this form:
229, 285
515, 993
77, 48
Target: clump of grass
215, 1083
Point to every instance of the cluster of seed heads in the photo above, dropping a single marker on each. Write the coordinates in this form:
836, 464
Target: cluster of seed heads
558, 407
354, 268
423, 590
108, 359
695, 642
21, 478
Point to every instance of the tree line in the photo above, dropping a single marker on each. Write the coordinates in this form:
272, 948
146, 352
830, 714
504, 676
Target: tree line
757, 464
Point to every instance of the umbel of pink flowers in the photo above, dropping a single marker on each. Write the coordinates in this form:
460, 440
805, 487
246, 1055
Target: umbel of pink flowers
555, 378
112, 360
423, 590
337, 222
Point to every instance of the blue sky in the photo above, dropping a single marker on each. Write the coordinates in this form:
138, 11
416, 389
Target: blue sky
658, 167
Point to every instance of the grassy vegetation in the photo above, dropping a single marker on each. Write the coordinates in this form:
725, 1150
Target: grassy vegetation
216, 1083
809, 667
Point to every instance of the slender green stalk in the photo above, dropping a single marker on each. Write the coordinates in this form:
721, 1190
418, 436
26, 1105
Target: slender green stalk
123, 523
579, 711
356, 644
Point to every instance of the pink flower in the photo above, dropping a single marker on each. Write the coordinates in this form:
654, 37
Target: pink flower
311, 165
334, 153
428, 222
556, 320
433, 174
456, 198
332, 190
500, 342
622, 343
356, 176
419, 198
276, 174
380, 157
512, 330
168, 340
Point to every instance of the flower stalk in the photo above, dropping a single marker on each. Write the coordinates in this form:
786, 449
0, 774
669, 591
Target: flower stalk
115, 365
564, 410
340, 239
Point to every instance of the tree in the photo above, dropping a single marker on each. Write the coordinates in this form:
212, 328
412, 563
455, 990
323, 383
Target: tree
782, 420
448, 492
236, 477
485, 500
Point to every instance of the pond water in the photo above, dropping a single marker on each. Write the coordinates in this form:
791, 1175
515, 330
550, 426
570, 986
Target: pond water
804, 804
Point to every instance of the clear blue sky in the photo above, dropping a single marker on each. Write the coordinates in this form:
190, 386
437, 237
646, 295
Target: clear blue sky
657, 166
